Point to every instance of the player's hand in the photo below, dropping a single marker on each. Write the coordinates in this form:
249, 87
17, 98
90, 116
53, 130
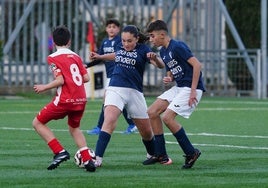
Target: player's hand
93, 56
167, 79
193, 100
152, 56
39, 88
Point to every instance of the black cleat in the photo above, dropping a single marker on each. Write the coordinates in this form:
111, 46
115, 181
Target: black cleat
59, 158
190, 159
165, 160
90, 166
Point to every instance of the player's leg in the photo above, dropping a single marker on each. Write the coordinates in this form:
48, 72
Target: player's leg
179, 106
96, 130
111, 114
74, 119
39, 124
147, 135
131, 125
80, 141
154, 111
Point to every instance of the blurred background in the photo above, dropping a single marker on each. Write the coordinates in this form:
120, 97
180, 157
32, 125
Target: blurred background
228, 37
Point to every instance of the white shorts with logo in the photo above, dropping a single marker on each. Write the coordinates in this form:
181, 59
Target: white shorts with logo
130, 99
178, 98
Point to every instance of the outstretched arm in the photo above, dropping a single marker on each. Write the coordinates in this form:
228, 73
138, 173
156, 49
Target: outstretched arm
105, 57
39, 88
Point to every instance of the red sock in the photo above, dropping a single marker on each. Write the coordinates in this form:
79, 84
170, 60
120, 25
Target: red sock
85, 155
55, 146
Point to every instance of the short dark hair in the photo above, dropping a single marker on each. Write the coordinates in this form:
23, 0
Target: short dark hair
61, 35
112, 21
157, 25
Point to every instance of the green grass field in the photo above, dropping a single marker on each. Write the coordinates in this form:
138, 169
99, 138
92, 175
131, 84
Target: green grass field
232, 134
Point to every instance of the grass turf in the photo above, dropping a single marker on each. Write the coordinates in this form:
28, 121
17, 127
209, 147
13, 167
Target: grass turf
231, 133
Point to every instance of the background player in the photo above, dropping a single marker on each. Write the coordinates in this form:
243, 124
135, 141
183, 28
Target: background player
112, 28
70, 100
126, 89
183, 68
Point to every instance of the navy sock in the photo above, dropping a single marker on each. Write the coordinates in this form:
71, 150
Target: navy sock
101, 117
150, 146
129, 120
102, 143
184, 142
160, 145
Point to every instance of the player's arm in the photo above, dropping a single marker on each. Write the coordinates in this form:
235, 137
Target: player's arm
58, 81
86, 78
168, 78
93, 63
155, 60
104, 57
196, 74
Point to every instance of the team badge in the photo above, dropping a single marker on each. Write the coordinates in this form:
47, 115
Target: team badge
53, 67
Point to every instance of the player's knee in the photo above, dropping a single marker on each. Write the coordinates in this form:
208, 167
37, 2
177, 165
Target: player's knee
166, 119
152, 113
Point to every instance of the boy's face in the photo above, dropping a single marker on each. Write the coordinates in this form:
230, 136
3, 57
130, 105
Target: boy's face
157, 38
112, 30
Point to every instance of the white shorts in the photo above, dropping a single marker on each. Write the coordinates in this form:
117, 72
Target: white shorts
130, 99
178, 98
107, 82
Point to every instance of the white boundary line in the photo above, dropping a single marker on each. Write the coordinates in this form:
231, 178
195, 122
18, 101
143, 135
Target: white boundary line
224, 146
169, 134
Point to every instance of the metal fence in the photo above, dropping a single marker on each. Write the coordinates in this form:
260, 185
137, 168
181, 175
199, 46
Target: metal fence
25, 35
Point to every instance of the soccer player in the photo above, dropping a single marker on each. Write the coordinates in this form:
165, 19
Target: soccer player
70, 100
125, 89
108, 46
185, 69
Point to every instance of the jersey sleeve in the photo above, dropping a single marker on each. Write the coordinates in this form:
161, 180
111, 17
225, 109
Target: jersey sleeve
56, 71
183, 51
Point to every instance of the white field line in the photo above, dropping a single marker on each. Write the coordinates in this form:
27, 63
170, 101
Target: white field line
169, 134
198, 109
225, 146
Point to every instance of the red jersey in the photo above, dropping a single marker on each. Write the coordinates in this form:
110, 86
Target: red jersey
68, 64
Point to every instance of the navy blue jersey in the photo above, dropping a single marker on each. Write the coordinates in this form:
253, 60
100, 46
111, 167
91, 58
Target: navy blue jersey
129, 67
108, 46
175, 57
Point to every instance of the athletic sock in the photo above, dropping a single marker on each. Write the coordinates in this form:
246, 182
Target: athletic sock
150, 146
101, 117
85, 154
184, 142
102, 143
160, 145
55, 146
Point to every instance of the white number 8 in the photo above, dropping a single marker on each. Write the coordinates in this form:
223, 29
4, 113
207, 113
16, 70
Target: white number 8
77, 78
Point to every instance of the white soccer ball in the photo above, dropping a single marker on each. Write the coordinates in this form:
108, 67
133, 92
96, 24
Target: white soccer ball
78, 158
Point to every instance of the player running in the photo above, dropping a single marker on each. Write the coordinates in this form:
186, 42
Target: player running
70, 100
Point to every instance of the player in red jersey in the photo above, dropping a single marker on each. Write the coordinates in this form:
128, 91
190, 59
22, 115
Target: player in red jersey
70, 100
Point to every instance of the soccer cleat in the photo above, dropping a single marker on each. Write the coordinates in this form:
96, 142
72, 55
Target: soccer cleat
190, 159
95, 131
98, 161
130, 129
90, 166
59, 158
165, 160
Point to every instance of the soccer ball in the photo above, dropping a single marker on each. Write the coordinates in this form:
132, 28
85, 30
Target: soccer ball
78, 158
